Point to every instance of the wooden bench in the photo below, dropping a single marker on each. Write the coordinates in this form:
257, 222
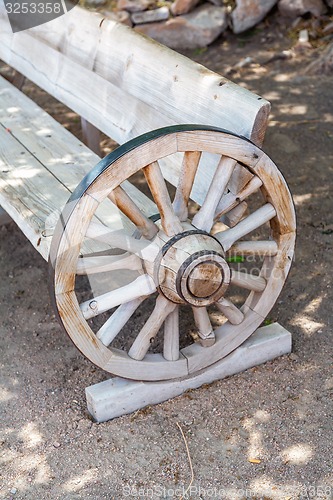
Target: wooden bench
135, 248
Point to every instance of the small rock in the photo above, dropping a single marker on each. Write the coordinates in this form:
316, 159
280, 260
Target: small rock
84, 424
195, 30
246, 61
180, 7
303, 36
219, 3
120, 16
133, 5
56, 444
151, 16
13, 491
329, 3
295, 8
95, 3
248, 13
303, 43
293, 357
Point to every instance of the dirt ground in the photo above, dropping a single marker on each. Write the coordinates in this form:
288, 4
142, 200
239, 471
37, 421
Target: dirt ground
279, 413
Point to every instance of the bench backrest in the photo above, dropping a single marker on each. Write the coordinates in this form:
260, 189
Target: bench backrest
124, 83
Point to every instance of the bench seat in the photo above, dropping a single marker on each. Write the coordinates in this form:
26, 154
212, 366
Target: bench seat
41, 163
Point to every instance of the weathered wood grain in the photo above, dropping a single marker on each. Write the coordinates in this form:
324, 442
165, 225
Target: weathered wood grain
42, 164
135, 92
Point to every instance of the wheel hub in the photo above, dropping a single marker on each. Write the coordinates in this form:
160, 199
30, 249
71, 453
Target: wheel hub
192, 269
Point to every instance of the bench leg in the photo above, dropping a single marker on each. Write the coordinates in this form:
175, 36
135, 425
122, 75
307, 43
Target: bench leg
91, 136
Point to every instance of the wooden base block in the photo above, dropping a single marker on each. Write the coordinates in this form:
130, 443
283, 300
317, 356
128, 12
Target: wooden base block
117, 396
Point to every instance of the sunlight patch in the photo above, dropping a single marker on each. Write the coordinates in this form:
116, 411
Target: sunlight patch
79, 482
297, 454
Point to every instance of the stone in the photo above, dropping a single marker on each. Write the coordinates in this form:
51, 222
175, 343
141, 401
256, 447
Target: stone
191, 31
151, 16
133, 5
96, 3
120, 16
248, 13
329, 3
219, 3
296, 8
180, 7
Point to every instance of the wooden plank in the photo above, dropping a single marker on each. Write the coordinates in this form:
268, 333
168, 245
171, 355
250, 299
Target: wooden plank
32, 137
121, 64
116, 396
62, 154
23, 194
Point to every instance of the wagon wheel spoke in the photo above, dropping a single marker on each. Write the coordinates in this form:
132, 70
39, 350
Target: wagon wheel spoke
204, 326
248, 281
256, 248
171, 336
155, 180
253, 221
140, 346
141, 286
230, 311
231, 200
108, 332
234, 215
105, 263
186, 178
145, 225
120, 239
204, 219
186, 264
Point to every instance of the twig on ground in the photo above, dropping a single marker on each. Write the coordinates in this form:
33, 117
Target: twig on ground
189, 460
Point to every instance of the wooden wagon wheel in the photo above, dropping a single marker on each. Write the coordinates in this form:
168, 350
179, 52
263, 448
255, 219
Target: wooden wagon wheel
186, 256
